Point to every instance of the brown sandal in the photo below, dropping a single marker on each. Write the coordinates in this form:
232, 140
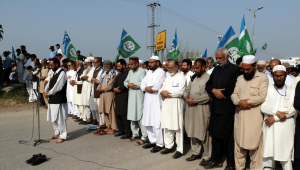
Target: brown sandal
140, 142
131, 139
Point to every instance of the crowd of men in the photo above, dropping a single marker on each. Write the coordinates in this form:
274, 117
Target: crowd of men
243, 110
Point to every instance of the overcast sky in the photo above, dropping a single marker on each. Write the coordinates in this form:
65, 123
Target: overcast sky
95, 26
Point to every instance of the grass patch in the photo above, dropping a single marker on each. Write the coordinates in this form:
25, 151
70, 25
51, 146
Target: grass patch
18, 95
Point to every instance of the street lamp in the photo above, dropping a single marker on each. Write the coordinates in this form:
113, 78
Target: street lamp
254, 16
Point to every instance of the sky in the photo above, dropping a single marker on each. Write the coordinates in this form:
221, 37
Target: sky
95, 26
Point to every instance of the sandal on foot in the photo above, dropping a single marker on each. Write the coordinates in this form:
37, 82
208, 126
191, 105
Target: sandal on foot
131, 139
138, 143
193, 157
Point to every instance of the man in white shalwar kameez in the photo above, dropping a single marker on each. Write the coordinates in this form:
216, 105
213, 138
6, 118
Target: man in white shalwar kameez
86, 90
71, 74
58, 107
279, 126
151, 84
77, 101
95, 96
20, 69
172, 109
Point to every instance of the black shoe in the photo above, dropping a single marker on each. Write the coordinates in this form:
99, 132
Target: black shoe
166, 151
125, 137
119, 134
204, 162
156, 149
149, 145
193, 157
78, 120
177, 155
230, 168
33, 158
40, 159
83, 123
213, 164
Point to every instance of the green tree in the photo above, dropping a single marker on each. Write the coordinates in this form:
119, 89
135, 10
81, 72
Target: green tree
1, 32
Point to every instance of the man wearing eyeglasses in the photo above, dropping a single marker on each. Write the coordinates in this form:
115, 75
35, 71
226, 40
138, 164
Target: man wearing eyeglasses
172, 109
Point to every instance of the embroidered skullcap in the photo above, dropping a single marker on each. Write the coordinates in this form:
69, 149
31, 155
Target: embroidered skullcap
88, 60
261, 62
155, 58
249, 59
279, 68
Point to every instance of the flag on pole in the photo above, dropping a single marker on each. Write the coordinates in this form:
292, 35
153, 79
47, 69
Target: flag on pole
245, 45
174, 51
231, 42
69, 49
13, 56
117, 58
127, 45
264, 47
205, 54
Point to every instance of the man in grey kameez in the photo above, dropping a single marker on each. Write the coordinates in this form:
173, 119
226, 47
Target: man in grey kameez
198, 113
135, 100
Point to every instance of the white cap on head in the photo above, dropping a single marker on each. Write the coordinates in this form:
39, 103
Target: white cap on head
164, 62
88, 60
141, 61
193, 62
249, 59
279, 68
261, 62
155, 58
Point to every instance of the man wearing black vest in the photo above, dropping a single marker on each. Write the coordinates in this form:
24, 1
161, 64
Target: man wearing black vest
95, 95
55, 90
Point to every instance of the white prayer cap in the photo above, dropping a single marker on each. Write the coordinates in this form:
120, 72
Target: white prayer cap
164, 62
141, 61
88, 60
261, 62
155, 58
248, 59
279, 68
193, 62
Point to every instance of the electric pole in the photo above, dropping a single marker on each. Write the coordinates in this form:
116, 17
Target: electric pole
254, 16
152, 26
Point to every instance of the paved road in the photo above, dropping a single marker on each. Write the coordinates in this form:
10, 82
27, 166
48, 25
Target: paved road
81, 151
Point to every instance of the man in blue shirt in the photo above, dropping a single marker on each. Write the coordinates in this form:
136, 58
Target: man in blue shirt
7, 67
53, 52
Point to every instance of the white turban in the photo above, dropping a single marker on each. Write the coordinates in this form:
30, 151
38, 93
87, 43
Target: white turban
279, 68
88, 60
261, 62
248, 59
141, 61
155, 58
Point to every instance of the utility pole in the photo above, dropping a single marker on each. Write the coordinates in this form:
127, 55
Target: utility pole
254, 16
152, 26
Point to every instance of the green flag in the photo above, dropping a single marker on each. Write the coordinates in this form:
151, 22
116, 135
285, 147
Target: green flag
71, 52
13, 58
127, 46
155, 53
174, 51
264, 47
245, 45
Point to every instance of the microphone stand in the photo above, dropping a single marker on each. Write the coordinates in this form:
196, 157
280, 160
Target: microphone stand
39, 140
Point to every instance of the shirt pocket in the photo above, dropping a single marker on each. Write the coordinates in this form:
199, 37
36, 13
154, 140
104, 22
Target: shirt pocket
254, 89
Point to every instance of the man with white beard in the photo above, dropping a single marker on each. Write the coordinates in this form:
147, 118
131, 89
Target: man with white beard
261, 66
86, 90
172, 109
150, 84
77, 88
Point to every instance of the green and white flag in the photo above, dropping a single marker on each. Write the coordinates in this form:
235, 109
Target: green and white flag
69, 49
245, 45
127, 45
174, 51
264, 47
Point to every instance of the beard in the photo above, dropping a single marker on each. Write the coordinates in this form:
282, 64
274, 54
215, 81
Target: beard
184, 70
249, 76
224, 63
172, 73
279, 84
121, 70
